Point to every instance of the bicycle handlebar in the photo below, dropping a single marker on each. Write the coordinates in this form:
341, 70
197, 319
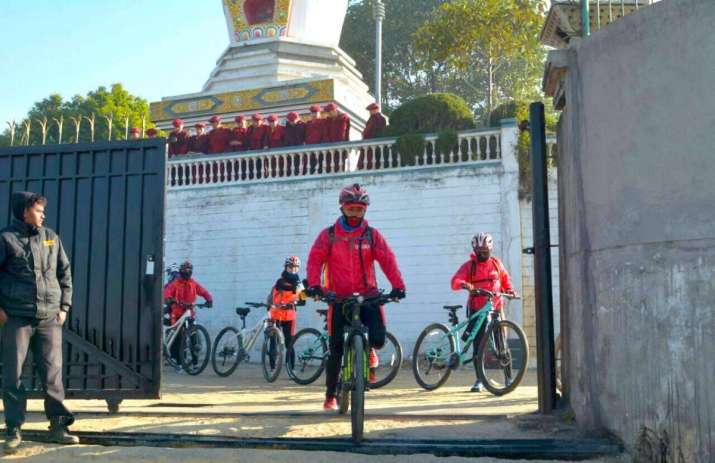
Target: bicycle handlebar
258, 305
491, 295
185, 305
378, 299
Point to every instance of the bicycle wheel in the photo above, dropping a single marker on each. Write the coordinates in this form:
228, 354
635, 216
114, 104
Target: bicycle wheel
357, 393
195, 349
389, 362
272, 354
503, 357
309, 353
226, 352
431, 358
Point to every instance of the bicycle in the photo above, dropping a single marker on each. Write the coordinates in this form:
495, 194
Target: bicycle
309, 353
352, 382
194, 341
232, 346
503, 349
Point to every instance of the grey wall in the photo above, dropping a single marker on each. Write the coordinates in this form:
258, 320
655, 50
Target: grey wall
637, 205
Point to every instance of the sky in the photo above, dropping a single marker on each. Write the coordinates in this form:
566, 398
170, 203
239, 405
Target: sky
154, 48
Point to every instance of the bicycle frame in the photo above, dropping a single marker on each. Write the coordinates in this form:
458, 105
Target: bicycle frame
174, 329
250, 336
480, 318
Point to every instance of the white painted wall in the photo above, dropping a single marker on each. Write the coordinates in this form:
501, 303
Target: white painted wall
238, 236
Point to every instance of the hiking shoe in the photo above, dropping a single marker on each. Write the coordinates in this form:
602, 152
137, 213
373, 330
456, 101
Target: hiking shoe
59, 434
372, 360
13, 439
331, 403
478, 387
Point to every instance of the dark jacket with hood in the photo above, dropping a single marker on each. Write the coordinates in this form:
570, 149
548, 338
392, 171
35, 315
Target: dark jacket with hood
35, 276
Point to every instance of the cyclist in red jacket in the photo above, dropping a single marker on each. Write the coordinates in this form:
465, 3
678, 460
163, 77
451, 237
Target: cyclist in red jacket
184, 289
343, 257
483, 271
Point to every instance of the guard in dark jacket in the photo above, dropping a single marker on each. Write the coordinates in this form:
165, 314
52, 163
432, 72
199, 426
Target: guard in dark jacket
35, 296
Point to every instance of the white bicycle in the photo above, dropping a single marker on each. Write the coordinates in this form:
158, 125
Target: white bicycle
232, 346
195, 343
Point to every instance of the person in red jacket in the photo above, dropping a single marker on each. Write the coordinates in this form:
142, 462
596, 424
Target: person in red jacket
294, 130
285, 297
257, 134
276, 132
218, 137
198, 143
337, 125
178, 139
237, 141
343, 259
184, 289
483, 271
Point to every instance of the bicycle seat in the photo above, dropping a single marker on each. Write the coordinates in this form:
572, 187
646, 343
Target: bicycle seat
452, 307
322, 312
242, 311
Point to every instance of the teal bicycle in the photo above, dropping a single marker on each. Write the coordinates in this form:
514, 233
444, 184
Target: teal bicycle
501, 359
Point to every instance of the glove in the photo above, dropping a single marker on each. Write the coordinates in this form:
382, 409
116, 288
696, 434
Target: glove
397, 293
467, 286
209, 304
314, 292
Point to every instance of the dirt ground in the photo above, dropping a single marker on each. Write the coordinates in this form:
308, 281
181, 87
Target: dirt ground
244, 405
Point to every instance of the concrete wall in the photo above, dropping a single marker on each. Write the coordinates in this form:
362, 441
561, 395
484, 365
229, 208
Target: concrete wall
238, 236
636, 196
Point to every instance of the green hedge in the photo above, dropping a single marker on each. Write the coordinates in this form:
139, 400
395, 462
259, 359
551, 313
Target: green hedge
431, 113
410, 147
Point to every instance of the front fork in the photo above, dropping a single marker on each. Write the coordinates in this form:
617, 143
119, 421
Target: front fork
347, 370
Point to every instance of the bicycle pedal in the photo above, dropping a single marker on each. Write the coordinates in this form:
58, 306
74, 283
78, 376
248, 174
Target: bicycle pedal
454, 361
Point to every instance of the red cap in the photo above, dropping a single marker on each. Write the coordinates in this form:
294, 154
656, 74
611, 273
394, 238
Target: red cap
239, 119
292, 116
330, 107
177, 123
272, 118
134, 130
257, 117
372, 106
215, 119
315, 108
151, 131
200, 125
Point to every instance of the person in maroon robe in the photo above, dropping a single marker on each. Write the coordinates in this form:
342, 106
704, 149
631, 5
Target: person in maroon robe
178, 139
257, 134
218, 137
134, 133
198, 143
315, 128
337, 125
276, 132
375, 128
238, 142
294, 130
152, 133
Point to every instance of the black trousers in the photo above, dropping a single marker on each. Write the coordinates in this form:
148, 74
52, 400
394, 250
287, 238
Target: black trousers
372, 319
44, 337
477, 340
287, 327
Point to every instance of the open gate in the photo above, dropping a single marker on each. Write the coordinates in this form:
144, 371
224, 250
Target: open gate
106, 201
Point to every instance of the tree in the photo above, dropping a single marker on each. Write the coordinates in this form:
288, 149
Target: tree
497, 39
99, 105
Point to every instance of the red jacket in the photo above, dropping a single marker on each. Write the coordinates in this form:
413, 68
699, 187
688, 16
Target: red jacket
257, 137
338, 128
218, 140
178, 142
184, 291
490, 275
315, 132
375, 126
276, 136
338, 268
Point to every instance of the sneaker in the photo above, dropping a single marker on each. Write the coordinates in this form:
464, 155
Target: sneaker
478, 387
59, 434
372, 376
13, 439
178, 369
331, 403
372, 360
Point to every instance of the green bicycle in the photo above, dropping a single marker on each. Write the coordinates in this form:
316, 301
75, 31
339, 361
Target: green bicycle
309, 351
501, 359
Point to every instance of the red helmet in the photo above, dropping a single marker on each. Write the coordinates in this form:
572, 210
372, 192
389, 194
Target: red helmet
354, 194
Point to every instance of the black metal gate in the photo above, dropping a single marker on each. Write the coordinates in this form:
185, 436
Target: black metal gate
106, 201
